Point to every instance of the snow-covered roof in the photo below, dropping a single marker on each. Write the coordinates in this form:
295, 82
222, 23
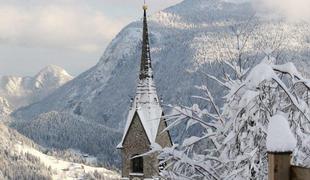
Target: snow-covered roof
146, 105
280, 137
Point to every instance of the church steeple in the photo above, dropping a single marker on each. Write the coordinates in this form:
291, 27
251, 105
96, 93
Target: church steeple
146, 94
145, 123
146, 63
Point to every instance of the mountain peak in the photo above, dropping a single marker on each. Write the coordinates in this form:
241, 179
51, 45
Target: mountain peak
51, 75
21, 91
55, 71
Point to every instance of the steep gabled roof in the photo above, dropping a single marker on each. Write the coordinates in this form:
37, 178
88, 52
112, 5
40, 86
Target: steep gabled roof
150, 119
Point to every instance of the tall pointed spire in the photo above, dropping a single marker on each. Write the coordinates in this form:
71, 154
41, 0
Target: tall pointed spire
146, 64
146, 104
146, 89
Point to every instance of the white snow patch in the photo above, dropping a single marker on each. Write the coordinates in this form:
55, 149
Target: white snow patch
64, 170
289, 68
280, 137
260, 73
190, 141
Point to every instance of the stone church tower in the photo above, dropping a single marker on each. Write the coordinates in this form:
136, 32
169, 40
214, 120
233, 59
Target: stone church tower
145, 122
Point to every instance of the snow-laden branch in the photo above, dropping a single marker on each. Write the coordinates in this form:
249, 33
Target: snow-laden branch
232, 142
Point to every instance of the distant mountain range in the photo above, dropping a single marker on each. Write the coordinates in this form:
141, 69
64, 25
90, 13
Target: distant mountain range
88, 113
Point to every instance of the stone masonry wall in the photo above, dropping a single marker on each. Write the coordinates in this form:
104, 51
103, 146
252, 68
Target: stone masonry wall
163, 138
136, 142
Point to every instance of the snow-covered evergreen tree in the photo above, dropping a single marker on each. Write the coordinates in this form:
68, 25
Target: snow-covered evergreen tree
234, 136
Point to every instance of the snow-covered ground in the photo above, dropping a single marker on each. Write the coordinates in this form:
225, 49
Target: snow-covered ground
20, 158
64, 170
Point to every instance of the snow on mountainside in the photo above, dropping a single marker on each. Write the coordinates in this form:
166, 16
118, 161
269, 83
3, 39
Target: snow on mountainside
64, 170
5, 108
65, 130
17, 91
183, 37
20, 159
15, 165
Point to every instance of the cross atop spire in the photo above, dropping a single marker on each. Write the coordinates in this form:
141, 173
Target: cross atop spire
144, 5
146, 64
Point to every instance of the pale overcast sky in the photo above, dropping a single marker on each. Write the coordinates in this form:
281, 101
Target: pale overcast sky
70, 33
74, 33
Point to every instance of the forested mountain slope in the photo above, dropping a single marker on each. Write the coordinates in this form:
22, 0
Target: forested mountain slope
20, 159
186, 40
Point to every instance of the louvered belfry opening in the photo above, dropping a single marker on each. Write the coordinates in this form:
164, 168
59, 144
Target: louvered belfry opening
137, 165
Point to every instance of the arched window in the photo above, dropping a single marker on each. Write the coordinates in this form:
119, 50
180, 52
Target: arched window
137, 164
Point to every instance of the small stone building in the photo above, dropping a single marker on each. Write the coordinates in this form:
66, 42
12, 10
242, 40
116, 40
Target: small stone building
145, 122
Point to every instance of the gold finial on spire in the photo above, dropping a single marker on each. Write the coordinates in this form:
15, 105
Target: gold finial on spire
144, 6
